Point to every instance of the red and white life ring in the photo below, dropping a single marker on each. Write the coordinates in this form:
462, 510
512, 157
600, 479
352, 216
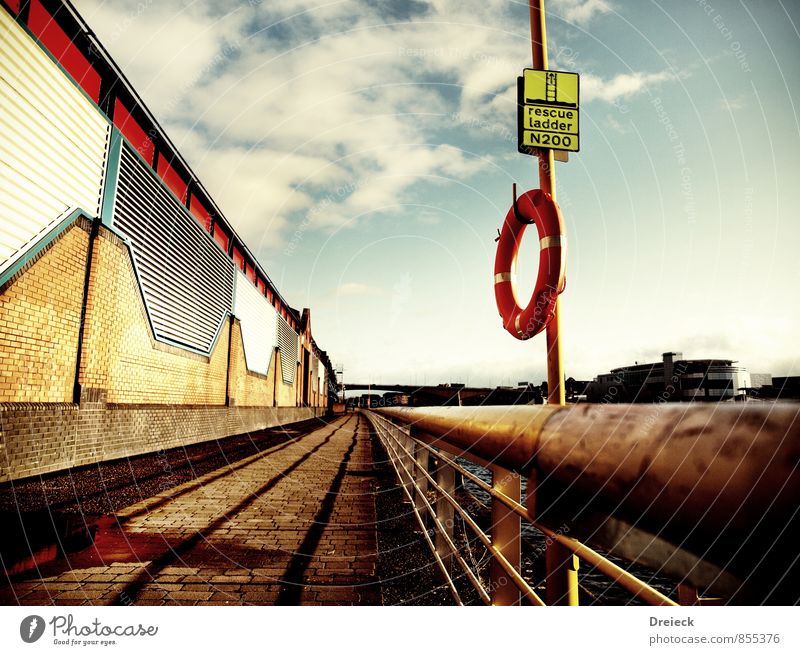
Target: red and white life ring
537, 207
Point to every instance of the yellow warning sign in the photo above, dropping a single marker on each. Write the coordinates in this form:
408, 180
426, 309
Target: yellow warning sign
548, 111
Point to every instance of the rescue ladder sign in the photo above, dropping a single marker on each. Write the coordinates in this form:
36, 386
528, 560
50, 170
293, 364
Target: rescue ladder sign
548, 113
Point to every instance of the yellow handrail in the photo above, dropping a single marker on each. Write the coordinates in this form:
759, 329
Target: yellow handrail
696, 476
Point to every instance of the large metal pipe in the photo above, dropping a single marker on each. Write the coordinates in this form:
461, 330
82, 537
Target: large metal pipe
719, 480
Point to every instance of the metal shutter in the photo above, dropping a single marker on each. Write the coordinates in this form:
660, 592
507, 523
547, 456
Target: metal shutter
258, 318
186, 279
287, 342
52, 145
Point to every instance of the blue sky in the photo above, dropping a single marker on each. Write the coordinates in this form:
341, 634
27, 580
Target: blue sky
366, 151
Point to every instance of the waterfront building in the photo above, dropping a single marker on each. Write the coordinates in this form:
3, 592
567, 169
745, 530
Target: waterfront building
670, 380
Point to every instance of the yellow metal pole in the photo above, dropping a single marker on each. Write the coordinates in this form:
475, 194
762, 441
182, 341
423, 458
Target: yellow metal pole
506, 537
547, 182
561, 564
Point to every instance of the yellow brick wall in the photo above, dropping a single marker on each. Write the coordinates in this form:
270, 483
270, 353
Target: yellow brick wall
39, 322
39, 325
287, 396
246, 388
120, 354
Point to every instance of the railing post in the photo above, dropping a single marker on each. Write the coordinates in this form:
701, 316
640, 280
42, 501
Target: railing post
506, 527
445, 512
687, 594
562, 574
397, 452
420, 481
405, 447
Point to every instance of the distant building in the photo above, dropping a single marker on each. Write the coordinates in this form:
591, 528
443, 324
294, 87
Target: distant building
781, 388
394, 398
758, 380
672, 379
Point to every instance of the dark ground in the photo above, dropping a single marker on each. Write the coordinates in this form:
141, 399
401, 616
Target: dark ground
406, 568
59, 511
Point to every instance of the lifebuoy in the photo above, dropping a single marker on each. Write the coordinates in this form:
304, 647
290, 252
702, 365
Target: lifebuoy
537, 207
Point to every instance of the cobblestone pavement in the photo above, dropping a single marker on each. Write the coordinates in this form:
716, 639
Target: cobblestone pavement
292, 525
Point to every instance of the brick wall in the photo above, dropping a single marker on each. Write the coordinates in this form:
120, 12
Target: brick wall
40, 311
121, 355
248, 388
136, 395
37, 438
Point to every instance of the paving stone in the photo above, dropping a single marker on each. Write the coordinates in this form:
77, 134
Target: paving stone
287, 526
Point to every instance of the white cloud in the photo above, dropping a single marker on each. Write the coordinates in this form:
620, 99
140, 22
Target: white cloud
581, 12
277, 104
621, 86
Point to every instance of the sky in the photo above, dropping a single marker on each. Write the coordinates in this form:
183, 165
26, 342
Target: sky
365, 150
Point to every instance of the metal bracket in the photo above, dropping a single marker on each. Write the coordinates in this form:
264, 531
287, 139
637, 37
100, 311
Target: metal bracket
517, 214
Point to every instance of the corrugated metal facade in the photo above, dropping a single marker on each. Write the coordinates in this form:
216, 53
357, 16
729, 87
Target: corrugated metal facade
53, 145
287, 342
259, 324
186, 279
54, 156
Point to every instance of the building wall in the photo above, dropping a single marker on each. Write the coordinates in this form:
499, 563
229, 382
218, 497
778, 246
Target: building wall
40, 438
249, 388
121, 356
136, 395
40, 311
287, 394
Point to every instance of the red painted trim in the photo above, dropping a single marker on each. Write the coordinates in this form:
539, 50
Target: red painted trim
238, 259
199, 211
42, 24
172, 179
132, 131
221, 237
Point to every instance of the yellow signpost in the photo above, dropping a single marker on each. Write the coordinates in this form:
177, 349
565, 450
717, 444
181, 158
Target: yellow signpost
548, 111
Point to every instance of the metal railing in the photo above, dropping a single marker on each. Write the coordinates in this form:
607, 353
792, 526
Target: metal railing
704, 495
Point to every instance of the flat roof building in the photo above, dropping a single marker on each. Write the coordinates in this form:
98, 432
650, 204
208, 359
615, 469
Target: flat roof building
670, 380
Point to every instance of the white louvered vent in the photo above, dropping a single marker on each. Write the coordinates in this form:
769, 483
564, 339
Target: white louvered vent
52, 145
186, 279
258, 320
287, 342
